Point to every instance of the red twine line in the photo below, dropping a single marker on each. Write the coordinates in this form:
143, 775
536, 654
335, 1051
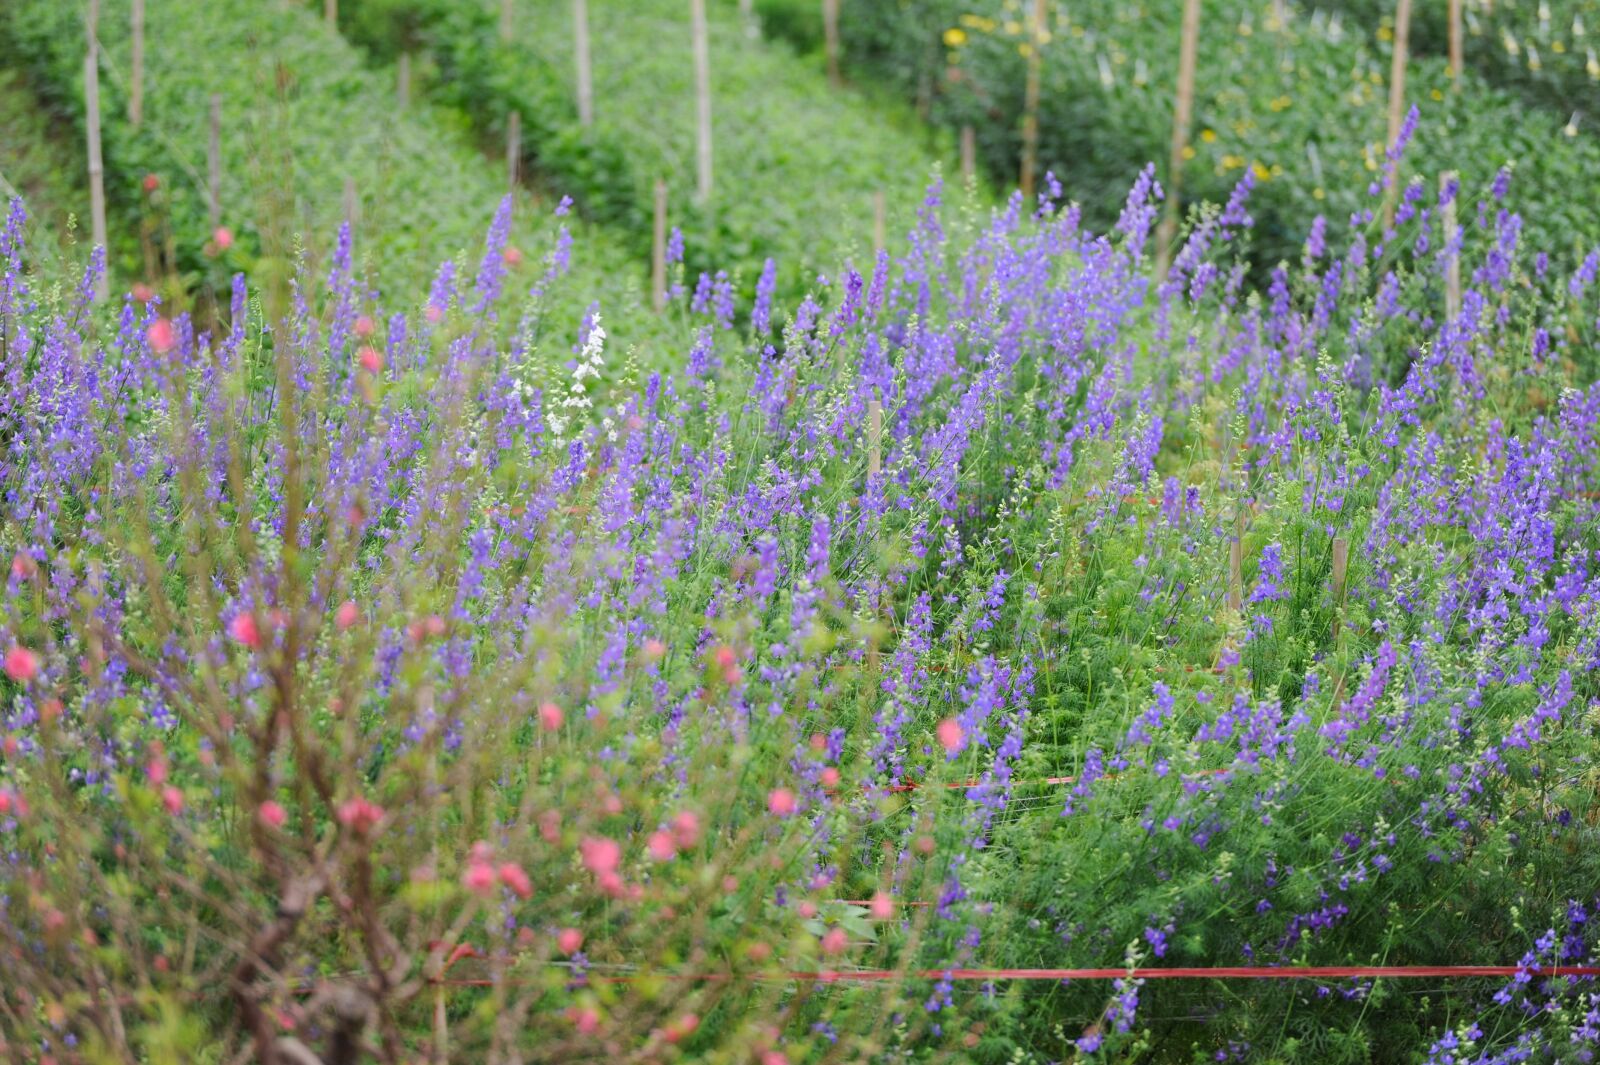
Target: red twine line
1240, 972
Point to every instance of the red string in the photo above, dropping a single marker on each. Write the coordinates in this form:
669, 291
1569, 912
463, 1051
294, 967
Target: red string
1241, 972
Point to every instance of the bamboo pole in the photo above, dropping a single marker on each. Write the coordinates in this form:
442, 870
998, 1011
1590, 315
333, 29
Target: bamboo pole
874, 438
352, 202
880, 222
214, 162
702, 95
1183, 114
1030, 113
1236, 566
1341, 570
505, 21
969, 154
136, 66
97, 179
1452, 275
330, 11
402, 79
1456, 50
1397, 100
513, 149
580, 46
658, 251
830, 40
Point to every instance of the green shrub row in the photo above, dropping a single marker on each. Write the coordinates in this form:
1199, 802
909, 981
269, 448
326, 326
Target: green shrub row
1546, 52
1303, 104
817, 155
301, 117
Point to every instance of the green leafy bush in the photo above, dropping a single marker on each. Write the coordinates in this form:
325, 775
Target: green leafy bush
300, 118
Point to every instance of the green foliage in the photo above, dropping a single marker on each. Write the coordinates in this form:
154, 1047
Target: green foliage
1303, 104
300, 118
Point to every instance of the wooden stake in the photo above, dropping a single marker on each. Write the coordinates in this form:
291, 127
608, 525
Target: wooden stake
330, 11
513, 149
658, 251
1030, 106
136, 66
402, 79
880, 222
1397, 100
969, 154
702, 95
830, 40
1182, 115
352, 202
1236, 567
1452, 275
1456, 50
505, 21
580, 46
214, 162
874, 438
1341, 569
97, 179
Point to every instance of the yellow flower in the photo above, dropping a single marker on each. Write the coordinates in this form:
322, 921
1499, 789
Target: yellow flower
1188, 151
1436, 95
1282, 103
1208, 135
1261, 172
1232, 162
1385, 33
979, 23
954, 37
1317, 193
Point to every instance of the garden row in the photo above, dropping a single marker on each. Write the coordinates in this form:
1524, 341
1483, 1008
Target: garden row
1300, 100
303, 138
796, 168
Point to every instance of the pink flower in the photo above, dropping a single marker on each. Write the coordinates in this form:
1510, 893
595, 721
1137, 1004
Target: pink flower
654, 650
222, 237
661, 846
434, 312
686, 829
364, 326
162, 337
569, 941
156, 772
23, 568
6, 803
950, 734
780, 801
550, 717
774, 1057
143, 293
611, 885
834, 941
272, 814
359, 815
370, 358
807, 909
512, 256
244, 629
22, 665
479, 879
881, 907
585, 1018
516, 878
347, 615
601, 855
830, 778
172, 799
682, 1028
